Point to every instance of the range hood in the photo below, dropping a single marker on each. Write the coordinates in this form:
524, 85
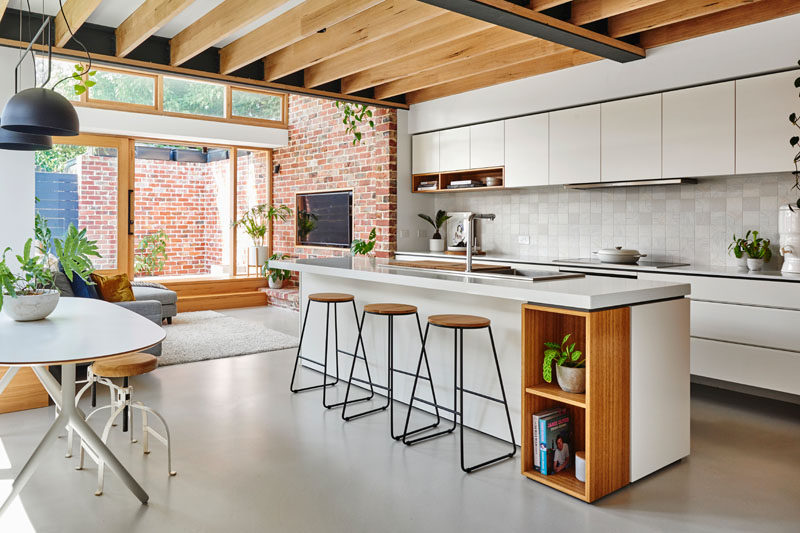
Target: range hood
633, 183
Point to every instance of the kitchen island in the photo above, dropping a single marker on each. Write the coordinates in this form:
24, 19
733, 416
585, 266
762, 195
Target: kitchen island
633, 418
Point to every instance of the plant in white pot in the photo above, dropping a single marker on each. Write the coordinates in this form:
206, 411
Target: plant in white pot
789, 215
436, 243
570, 367
255, 223
736, 247
29, 292
757, 249
276, 276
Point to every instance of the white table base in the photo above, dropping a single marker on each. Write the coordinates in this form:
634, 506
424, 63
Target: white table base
72, 416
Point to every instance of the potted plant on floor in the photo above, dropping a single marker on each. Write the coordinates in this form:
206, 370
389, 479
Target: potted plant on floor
757, 249
255, 223
570, 368
737, 247
436, 243
789, 215
29, 293
276, 276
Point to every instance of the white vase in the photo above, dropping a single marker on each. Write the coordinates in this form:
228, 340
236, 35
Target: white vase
755, 264
257, 255
32, 307
275, 283
789, 229
436, 245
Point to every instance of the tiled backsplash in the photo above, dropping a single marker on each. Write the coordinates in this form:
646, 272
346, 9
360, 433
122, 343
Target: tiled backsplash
688, 223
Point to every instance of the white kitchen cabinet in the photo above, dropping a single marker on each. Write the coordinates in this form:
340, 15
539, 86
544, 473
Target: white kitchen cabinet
486, 145
699, 131
763, 129
454, 149
527, 151
425, 153
575, 145
630, 139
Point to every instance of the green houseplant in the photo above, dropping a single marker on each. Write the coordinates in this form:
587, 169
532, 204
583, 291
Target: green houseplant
29, 293
570, 368
255, 223
353, 116
276, 276
737, 249
436, 243
151, 253
362, 247
757, 250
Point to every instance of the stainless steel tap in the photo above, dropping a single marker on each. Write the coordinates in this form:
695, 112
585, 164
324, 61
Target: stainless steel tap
468, 229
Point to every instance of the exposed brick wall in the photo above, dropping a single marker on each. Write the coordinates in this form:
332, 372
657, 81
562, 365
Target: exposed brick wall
97, 208
320, 156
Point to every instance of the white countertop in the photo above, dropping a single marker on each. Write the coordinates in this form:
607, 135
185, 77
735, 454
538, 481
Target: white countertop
689, 270
580, 293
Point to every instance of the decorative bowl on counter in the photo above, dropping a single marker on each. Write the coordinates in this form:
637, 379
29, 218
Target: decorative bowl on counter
619, 255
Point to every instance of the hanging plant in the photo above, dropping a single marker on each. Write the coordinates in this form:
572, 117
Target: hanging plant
353, 116
82, 79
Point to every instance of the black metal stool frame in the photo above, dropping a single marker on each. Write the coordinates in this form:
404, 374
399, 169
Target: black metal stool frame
458, 393
390, 371
325, 384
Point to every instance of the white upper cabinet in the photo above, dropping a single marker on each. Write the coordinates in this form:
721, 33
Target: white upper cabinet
575, 145
527, 151
486, 145
425, 153
699, 131
454, 149
763, 129
630, 139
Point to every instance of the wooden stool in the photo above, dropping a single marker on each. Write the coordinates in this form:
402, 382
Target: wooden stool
390, 311
102, 372
458, 323
328, 298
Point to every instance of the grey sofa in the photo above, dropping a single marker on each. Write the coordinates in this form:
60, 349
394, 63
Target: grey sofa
167, 298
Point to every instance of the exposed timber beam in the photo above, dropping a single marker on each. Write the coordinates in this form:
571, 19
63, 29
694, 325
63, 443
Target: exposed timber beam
76, 13
145, 21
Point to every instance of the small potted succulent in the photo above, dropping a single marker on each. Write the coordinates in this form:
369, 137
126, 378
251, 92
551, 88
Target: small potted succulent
757, 249
570, 367
276, 276
737, 248
255, 223
362, 247
436, 243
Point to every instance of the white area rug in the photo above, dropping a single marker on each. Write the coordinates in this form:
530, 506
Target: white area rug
210, 335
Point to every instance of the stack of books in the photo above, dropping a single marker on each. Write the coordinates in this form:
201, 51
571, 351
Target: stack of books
465, 184
431, 185
552, 440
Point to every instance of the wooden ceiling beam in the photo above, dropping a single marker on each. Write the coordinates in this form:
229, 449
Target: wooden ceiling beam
561, 60
387, 18
442, 29
76, 12
145, 21
216, 25
586, 11
724, 20
541, 5
3, 6
523, 19
491, 61
665, 13
489, 40
296, 24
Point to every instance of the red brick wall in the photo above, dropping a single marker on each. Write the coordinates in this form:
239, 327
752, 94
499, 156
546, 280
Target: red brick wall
320, 156
97, 208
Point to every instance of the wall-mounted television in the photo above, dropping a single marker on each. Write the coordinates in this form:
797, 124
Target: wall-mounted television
325, 219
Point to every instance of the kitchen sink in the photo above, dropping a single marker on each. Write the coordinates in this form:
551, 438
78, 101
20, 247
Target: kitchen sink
509, 273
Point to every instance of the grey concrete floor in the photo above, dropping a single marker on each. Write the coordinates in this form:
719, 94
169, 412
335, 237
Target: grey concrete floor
251, 456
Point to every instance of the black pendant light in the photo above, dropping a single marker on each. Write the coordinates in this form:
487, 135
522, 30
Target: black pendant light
12, 140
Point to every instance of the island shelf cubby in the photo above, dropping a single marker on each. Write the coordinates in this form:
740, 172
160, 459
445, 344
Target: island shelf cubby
601, 416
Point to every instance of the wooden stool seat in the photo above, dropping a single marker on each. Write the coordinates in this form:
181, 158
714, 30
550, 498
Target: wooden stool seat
459, 321
125, 366
331, 297
390, 309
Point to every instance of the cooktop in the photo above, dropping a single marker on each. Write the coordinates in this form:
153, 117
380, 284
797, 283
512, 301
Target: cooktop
597, 262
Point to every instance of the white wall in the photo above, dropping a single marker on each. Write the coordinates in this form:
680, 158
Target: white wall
755, 49
412, 232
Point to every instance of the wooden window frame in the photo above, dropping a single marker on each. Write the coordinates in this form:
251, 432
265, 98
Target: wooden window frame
88, 101
251, 120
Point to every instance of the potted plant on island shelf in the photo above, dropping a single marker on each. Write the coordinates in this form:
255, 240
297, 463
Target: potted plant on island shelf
570, 368
757, 249
255, 223
276, 276
29, 293
436, 243
789, 215
362, 247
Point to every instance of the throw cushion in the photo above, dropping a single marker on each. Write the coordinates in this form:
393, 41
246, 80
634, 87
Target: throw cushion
62, 284
114, 288
80, 288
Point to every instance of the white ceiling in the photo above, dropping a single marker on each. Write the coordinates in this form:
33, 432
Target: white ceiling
113, 12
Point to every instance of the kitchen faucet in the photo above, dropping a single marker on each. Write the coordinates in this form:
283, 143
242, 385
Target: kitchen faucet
468, 230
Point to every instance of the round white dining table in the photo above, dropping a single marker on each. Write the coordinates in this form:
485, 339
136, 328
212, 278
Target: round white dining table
80, 330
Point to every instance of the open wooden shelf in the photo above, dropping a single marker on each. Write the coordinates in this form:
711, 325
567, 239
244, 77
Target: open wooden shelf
554, 392
600, 417
444, 179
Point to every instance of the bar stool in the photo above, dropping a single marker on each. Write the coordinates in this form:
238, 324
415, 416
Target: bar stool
390, 311
329, 298
125, 367
458, 323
